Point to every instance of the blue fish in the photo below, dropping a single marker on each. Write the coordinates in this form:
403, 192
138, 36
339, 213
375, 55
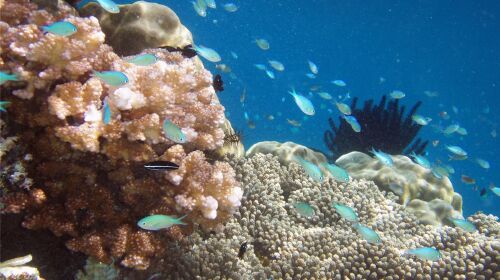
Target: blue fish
157, 222
345, 212
383, 157
4, 77
367, 233
339, 174
304, 104
353, 122
61, 28
173, 132
143, 59
106, 116
311, 169
421, 160
112, 78
109, 6
463, 224
424, 253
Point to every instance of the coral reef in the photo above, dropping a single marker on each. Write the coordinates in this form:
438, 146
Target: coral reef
88, 184
383, 127
97, 270
139, 26
284, 245
286, 152
431, 199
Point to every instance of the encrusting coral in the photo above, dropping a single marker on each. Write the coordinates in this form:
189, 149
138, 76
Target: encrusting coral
431, 199
284, 245
89, 183
140, 25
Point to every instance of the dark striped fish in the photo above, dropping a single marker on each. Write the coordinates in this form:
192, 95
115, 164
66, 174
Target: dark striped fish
161, 165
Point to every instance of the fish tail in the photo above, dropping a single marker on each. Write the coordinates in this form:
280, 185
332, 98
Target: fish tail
180, 218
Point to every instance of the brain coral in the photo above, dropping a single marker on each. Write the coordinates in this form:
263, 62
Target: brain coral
284, 245
87, 182
431, 199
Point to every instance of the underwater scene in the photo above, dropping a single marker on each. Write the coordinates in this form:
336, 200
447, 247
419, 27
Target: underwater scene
211, 139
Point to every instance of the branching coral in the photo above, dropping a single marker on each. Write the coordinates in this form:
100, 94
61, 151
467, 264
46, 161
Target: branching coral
383, 127
285, 245
89, 184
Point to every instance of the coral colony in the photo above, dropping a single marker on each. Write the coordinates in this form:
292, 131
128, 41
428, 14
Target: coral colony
113, 156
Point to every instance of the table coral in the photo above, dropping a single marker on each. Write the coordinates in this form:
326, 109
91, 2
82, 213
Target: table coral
88, 184
431, 199
284, 245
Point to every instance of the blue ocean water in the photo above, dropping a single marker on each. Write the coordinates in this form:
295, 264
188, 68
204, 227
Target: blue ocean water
451, 47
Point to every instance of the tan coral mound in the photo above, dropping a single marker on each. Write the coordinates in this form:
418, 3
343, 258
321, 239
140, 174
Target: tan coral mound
430, 198
286, 153
284, 245
140, 25
87, 182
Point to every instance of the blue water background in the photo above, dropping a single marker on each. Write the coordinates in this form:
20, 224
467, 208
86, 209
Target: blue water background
451, 47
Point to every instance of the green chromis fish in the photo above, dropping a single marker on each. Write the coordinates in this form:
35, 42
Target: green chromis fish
211, 4
463, 224
339, 174
462, 131
386, 159
325, 95
483, 163
343, 108
230, 7
421, 120
263, 44
106, 115
397, 94
339, 83
4, 104
157, 222
456, 150
424, 253
305, 105
304, 209
4, 77
367, 233
312, 67
451, 129
260, 66
201, 10
61, 28
345, 212
112, 78
495, 190
277, 65
143, 59
270, 74
207, 53
109, 6
439, 172
421, 160
310, 168
353, 122
173, 132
